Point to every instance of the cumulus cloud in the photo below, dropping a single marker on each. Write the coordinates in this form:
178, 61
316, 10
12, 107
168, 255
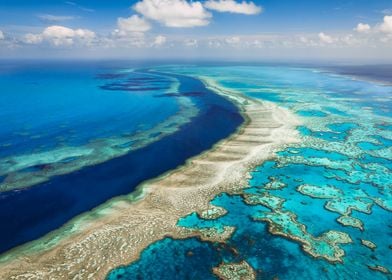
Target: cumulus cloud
231, 6
191, 43
174, 13
84, 34
350, 40
233, 40
132, 25
386, 26
61, 36
362, 28
381, 32
132, 33
32, 38
159, 40
324, 38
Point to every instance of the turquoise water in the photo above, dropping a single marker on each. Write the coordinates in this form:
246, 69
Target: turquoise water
45, 107
305, 212
187, 254
56, 118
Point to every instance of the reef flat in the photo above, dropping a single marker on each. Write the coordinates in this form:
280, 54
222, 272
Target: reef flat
235, 271
330, 193
115, 233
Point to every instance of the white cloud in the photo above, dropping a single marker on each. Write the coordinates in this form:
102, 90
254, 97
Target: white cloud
362, 28
386, 39
338, 42
382, 32
324, 38
159, 40
84, 34
1, 35
130, 32
233, 40
174, 13
303, 39
386, 26
307, 41
32, 38
135, 36
231, 6
132, 25
350, 40
214, 44
191, 43
61, 36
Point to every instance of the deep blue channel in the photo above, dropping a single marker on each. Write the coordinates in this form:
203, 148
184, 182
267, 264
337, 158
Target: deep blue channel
28, 214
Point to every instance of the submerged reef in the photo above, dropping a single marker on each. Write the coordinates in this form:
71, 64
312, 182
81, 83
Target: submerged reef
235, 271
285, 223
350, 221
368, 244
213, 213
380, 269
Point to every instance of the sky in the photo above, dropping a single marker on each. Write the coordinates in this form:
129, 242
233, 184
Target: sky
328, 30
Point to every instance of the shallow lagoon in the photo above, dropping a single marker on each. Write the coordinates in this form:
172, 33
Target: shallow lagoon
337, 180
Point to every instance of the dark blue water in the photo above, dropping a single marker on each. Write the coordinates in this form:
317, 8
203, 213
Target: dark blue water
30, 213
382, 73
